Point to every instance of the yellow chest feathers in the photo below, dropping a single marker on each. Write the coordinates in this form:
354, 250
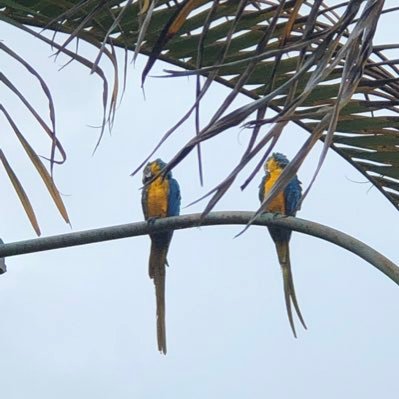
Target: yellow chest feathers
278, 202
157, 198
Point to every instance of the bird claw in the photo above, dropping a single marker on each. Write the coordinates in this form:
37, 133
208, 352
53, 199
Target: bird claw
276, 215
151, 220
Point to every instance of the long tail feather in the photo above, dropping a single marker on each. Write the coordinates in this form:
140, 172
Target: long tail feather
157, 273
289, 290
293, 298
287, 297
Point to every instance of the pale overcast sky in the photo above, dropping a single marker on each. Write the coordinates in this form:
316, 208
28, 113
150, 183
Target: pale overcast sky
80, 322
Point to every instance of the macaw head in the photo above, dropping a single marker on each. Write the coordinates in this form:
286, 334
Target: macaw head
276, 161
153, 168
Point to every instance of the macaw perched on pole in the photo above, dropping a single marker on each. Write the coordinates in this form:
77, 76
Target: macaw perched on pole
160, 198
285, 202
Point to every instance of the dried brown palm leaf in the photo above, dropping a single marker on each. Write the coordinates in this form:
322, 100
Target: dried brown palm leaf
38, 164
21, 193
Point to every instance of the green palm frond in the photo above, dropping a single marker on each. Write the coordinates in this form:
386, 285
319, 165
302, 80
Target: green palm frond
311, 63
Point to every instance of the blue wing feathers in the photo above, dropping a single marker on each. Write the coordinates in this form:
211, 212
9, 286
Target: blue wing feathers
174, 198
262, 188
144, 204
292, 195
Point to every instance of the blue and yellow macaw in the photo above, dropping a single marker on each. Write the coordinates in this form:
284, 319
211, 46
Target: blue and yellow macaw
286, 203
160, 198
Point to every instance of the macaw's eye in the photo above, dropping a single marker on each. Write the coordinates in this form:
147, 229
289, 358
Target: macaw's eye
147, 174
